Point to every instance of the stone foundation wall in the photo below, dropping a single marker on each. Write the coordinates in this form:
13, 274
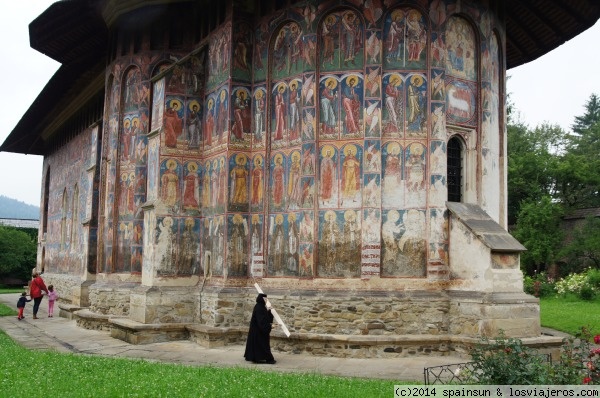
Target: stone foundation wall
345, 313
225, 308
110, 299
164, 304
64, 285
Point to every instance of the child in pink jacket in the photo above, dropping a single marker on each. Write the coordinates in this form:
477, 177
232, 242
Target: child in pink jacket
52, 297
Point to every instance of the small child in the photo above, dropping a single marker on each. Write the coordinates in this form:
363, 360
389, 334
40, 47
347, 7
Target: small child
52, 297
21, 305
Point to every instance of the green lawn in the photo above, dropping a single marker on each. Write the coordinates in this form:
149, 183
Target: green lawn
30, 373
91, 376
569, 314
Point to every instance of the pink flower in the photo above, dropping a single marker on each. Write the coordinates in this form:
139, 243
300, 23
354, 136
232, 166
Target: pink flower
587, 380
597, 339
590, 365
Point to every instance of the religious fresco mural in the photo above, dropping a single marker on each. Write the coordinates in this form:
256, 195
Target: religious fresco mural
219, 57
238, 182
341, 110
259, 126
284, 245
405, 39
339, 243
237, 241
490, 126
257, 246
288, 169
257, 183
241, 60
403, 245
285, 116
342, 38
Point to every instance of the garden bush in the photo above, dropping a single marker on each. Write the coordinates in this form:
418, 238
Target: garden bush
539, 285
584, 285
507, 361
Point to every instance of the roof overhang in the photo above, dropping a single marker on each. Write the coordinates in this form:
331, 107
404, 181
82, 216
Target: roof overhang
75, 33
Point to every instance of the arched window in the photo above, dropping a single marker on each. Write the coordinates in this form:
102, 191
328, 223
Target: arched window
63, 222
455, 170
46, 201
75, 219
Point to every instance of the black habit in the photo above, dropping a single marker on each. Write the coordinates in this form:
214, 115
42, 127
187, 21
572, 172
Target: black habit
258, 345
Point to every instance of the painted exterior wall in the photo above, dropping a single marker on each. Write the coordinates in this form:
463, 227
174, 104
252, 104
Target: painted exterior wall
306, 148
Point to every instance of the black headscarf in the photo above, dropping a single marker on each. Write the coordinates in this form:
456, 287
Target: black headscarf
260, 298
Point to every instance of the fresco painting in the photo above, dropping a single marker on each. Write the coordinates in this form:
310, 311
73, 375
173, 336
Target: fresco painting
239, 179
340, 240
284, 241
403, 245
277, 167
259, 125
241, 118
405, 39
237, 242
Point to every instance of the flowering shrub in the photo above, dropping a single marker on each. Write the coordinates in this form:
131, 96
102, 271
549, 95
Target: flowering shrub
583, 285
539, 285
507, 361
593, 364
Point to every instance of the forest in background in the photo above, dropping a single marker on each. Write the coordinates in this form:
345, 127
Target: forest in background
12, 208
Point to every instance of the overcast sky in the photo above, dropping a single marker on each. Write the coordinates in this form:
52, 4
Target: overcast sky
553, 88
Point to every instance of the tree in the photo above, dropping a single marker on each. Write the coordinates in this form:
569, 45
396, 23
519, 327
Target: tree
538, 229
532, 164
589, 119
17, 253
578, 178
583, 249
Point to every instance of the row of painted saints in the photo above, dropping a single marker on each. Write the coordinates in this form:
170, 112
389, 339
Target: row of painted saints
290, 244
368, 86
348, 107
348, 177
326, 201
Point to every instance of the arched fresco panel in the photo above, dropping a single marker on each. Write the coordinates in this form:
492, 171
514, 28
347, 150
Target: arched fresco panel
405, 39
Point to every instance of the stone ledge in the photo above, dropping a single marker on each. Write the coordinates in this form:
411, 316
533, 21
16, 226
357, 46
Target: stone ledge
211, 336
392, 346
66, 310
144, 333
92, 320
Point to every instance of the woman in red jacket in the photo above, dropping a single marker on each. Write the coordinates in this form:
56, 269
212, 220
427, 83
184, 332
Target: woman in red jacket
37, 287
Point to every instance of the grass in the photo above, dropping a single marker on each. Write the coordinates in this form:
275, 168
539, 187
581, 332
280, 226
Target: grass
75, 375
568, 314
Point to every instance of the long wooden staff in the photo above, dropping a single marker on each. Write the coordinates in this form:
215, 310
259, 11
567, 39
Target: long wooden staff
275, 314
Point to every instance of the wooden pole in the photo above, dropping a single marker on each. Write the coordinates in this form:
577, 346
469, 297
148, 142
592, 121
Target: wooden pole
275, 314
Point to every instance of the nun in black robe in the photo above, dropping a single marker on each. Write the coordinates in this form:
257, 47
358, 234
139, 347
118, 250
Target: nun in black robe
258, 345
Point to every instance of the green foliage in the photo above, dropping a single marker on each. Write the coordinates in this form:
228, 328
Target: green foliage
532, 162
585, 285
538, 229
583, 249
17, 253
508, 361
538, 285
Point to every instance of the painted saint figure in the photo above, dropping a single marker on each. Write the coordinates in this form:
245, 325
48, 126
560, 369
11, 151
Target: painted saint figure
351, 104
328, 175
350, 175
173, 124
170, 184
239, 181
328, 112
